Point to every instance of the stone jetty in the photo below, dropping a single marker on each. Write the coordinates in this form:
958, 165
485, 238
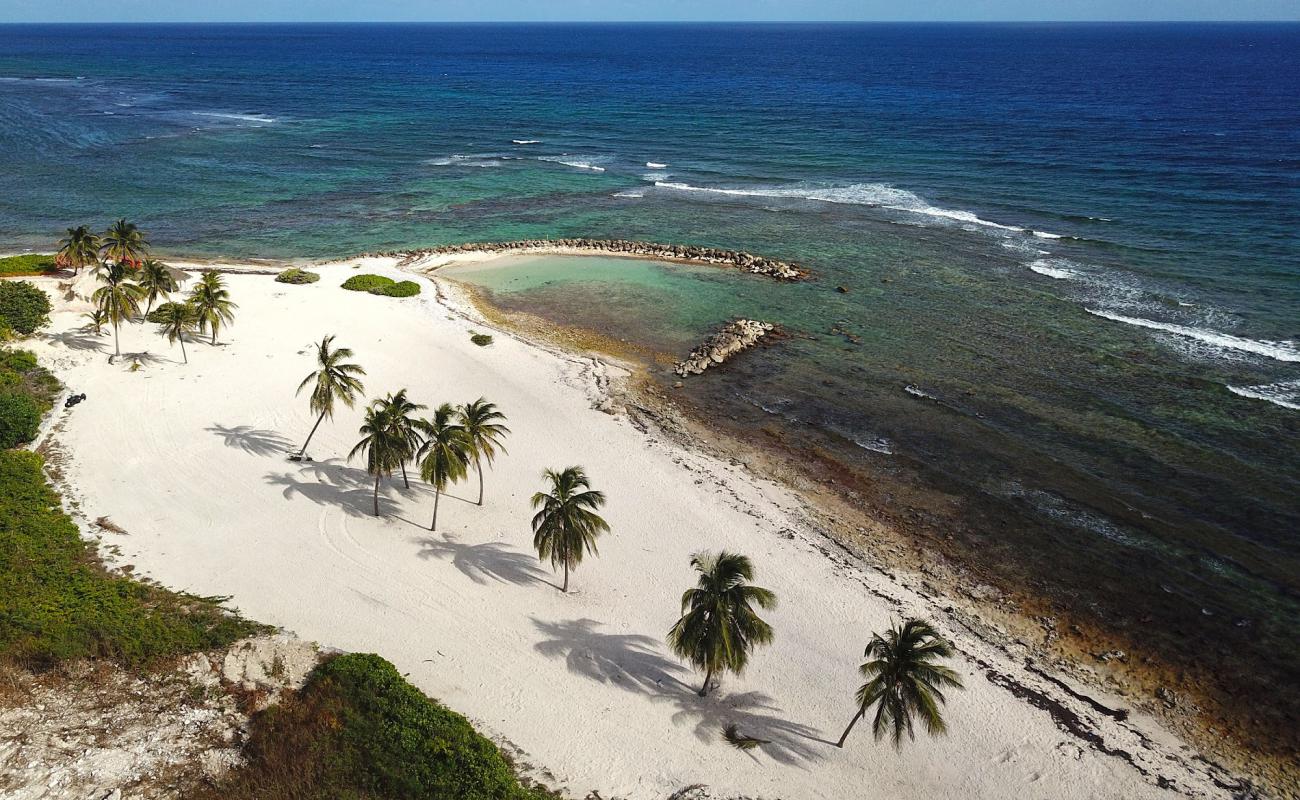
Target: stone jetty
734, 337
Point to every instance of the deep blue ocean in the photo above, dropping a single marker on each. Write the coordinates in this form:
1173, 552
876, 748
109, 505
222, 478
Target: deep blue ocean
1077, 245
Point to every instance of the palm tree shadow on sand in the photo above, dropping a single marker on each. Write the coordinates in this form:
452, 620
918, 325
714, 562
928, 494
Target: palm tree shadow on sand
481, 563
77, 339
754, 714
254, 441
333, 483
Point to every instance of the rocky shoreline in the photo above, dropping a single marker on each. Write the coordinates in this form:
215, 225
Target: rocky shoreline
734, 337
694, 254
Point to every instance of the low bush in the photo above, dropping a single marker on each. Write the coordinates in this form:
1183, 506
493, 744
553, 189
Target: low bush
481, 339
365, 283
27, 264
61, 603
402, 289
357, 729
26, 392
296, 276
20, 417
23, 306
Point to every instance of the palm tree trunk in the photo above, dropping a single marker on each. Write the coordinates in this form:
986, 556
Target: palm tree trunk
478, 467
376, 494
852, 722
214, 334
319, 420
708, 676
565, 587
184, 355
406, 482
437, 495
117, 350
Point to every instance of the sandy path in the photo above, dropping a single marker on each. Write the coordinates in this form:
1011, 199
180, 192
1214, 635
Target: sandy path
189, 461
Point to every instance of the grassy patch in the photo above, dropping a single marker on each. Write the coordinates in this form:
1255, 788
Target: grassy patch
481, 339
23, 307
60, 602
27, 391
297, 276
400, 289
367, 282
27, 264
358, 730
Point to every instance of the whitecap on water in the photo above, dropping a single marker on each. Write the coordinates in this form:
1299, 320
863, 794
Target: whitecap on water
1285, 393
1280, 351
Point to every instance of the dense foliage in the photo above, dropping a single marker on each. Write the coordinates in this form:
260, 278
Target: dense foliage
26, 393
23, 306
481, 339
357, 730
61, 603
367, 282
160, 314
400, 289
297, 276
27, 264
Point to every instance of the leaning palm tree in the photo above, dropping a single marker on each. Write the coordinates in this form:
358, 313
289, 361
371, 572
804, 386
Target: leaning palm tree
157, 280
211, 301
719, 625
336, 381
567, 525
482, 424
903, 681
118, 299
381, 449
124, 244
80, 248
178, 319
399, 410
444, 456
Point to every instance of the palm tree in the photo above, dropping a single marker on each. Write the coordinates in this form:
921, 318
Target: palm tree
156, 279
399, 410
566, 526
124, 244
178, 319
118, 299
335, 381
719, 625
211, 301
482, 424
80, 248
96, 319
903, 681
444, 456
381, 448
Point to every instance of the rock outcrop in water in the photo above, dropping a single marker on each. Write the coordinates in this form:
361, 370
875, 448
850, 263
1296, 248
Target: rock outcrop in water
734, 337
758, 265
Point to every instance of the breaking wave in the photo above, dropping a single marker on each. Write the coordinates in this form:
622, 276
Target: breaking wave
1280, 351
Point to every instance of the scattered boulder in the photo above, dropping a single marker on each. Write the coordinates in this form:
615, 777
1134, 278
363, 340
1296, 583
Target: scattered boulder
733, 338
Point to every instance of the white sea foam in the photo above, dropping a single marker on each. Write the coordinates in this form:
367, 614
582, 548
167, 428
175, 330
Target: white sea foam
655, 165
1281, 351
654, 177
526, 141
1046, 235
865, 194
1052, 268
630, 193
573, 161
472, 160
1285, 394
264, 120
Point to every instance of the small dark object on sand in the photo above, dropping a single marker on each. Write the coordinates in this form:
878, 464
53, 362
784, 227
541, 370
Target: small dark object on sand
73, 400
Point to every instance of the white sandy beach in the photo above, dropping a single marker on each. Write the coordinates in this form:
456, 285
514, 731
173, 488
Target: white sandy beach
189, 460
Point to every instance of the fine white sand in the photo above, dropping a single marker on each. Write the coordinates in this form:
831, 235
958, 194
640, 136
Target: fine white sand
189, 460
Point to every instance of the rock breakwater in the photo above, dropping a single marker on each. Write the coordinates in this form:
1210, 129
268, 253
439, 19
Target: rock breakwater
734, 337
755, 264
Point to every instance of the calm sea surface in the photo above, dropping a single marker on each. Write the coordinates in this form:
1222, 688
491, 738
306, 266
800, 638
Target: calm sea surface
1076, 244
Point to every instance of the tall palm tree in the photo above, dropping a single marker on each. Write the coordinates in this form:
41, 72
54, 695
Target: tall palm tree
157, 280
178, 319
381, 448
211, 301
118, 298
80, 248
567, 525
336, 381
903, 681
719, 625
123, 243
483, 426
399, 410
444, 456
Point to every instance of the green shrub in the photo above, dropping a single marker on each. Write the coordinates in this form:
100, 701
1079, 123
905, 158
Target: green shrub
364, 283
481, 339
402, 289
61, 603
297, 276
27, 391
159, 313
357, 729
23, 306
27, 264
20, 417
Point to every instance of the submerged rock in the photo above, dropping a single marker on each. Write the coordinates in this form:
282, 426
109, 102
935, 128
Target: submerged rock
734, 337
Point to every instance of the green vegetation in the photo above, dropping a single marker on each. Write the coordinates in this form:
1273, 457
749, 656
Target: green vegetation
719, 625
378, 284
160, 314
383, 447
80, 248
119, 298
26, 392
156, 279
366, 282
296, 276
177, 323
212, 304
567, 525
904, 682
397, 409
481, 339
336, 381
27, 264
123, 244
61, 603
484, 429
444, 457
358, 730
23, 307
